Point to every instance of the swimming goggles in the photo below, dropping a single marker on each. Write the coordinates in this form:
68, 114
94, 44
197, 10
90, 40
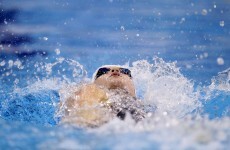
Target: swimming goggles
104, 70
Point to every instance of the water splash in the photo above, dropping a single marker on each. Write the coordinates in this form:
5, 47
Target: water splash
36, 100
163, 85
169, 133
158, 83
65, 69
221, 81
216, 96
173, 125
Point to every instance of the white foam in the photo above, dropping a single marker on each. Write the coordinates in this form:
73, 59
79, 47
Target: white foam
163, 85
172, 133
173, 125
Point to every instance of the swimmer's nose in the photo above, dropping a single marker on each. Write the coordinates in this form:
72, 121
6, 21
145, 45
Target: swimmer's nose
115, 70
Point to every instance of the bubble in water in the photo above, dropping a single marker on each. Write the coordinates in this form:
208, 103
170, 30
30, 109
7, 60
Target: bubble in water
222, 23
214, 6
204, 12
220, 61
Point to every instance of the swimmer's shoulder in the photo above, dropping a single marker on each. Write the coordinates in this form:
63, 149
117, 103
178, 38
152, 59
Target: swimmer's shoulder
92, 92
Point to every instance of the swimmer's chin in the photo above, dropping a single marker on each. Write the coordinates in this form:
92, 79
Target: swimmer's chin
116, 85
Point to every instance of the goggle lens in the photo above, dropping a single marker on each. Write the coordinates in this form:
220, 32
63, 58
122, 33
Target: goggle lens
126, 71
101, 71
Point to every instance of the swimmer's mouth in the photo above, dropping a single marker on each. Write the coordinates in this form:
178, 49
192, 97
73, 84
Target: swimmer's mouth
115, 74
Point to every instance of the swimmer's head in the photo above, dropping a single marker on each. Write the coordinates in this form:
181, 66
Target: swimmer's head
115, 77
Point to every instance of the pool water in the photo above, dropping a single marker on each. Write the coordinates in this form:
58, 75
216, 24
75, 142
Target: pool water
178, 52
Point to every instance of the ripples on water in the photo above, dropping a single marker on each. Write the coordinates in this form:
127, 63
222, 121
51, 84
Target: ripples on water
63, 49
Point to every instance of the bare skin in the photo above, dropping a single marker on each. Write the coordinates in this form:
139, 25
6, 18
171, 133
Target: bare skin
91, 95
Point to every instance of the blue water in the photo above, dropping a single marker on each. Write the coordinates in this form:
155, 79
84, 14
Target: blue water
178, 51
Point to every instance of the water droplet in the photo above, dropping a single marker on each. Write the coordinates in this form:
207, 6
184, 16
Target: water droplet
214, 6
165, 113
45, 38
220, 61
149, 114
5, 22
18, 64
188, 66
201, 56
205, 54
122, 28
57, 51
2, 63
137, 34
182, 20
16, 81
204, 12
11, 63
222, 23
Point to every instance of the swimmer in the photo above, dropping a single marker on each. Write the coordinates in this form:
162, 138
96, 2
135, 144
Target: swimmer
109, 93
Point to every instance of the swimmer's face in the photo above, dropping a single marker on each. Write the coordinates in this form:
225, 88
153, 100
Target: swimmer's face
115, 78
